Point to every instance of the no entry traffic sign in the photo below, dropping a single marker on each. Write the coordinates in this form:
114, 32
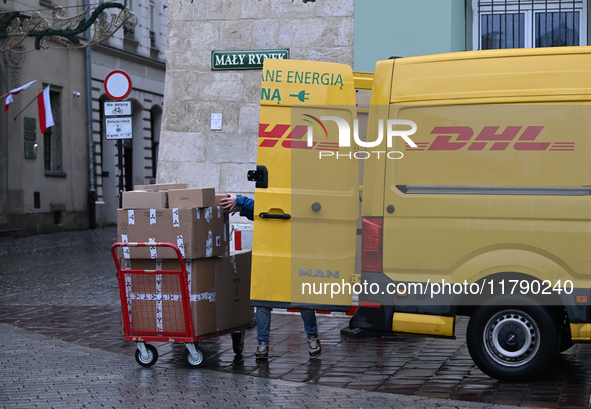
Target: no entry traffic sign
117, 85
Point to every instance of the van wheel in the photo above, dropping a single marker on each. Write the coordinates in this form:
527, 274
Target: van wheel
512, 343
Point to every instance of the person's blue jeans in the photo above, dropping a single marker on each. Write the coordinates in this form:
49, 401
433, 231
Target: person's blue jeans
264, 323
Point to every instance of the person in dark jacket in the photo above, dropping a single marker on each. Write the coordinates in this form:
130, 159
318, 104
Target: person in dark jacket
233, 203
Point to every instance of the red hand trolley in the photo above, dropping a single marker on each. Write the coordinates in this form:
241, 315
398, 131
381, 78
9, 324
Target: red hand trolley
162, 295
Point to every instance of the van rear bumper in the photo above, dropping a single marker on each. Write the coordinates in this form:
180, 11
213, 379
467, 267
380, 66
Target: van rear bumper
295, 306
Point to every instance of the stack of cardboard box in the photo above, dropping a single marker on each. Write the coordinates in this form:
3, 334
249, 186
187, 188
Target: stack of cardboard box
219, 284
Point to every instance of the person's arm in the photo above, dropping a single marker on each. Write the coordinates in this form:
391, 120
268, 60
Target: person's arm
247, 206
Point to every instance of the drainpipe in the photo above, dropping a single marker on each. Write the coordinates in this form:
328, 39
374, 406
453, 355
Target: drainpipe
91, 179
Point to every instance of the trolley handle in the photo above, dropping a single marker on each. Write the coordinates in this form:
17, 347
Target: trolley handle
144, 244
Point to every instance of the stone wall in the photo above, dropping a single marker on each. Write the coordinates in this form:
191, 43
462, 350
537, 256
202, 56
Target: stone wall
189, 151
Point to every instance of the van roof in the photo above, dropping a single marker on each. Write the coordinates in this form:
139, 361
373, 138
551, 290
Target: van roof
515, 75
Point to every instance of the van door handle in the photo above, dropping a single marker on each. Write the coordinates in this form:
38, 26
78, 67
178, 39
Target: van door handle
274, 216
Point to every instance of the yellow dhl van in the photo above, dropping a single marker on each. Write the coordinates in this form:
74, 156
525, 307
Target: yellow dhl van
476, 198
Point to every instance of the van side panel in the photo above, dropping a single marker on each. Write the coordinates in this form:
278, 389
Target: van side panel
499, 181
508, 75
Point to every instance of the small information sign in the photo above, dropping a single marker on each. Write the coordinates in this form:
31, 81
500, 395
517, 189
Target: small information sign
117, 108
118, 128
216, 122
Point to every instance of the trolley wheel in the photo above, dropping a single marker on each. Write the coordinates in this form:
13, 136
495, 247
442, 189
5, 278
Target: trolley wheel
149, 359
238, 342
195, 362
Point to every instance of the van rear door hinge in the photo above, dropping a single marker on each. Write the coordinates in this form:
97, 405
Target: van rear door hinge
260, 176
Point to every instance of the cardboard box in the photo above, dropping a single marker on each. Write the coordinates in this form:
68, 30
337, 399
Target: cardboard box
232, 285
162, 186
198, 233
190, 198
218, 198
167, 315
145, 200
219, 290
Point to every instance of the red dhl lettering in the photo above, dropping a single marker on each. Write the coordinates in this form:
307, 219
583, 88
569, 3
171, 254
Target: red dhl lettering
453, 138
271, 135
447, 138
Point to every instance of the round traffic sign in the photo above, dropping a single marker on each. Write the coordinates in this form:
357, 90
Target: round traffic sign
117, 84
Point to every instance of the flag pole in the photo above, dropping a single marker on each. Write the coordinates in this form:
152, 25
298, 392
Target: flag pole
24, 108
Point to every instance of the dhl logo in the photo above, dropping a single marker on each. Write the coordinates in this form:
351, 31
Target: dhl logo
271, 135
448, 138
453, 138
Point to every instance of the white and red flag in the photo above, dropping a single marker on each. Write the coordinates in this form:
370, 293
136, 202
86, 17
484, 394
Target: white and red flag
14, 92
45, 114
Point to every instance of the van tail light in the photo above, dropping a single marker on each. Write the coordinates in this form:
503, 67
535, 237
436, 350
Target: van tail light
371, 243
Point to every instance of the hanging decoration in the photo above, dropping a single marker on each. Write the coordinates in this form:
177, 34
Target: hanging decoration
63, 32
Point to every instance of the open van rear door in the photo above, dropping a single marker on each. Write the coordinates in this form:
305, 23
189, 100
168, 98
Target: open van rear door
307, 189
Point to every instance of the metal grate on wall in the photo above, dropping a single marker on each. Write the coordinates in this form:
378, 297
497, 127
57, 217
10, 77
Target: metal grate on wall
529, 23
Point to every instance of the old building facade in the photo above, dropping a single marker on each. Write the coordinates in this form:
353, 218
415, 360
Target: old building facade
67, 178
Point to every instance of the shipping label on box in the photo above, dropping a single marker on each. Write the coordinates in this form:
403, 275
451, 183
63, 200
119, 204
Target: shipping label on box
197, 232
189, 198
232, 284
144, 200
154, 300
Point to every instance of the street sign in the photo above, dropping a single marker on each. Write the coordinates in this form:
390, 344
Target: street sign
118, 128
117, 85
118, 108
245, 60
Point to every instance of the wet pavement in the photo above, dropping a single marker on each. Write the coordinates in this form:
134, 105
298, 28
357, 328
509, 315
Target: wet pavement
59, 292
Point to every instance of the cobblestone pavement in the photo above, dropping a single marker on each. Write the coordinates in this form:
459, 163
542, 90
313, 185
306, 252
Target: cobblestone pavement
64, 347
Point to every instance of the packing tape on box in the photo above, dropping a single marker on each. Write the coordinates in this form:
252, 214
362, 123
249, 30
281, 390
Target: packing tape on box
180, 245
155, 297
152, 216
208, 214
153, 253
130, 217
218, 241
128, 293
233, 261
175, 218
189, 267
158, 302
219, 212
125, 248
209, 245
204, 296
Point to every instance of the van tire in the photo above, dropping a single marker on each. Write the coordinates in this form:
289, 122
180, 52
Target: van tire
512, 343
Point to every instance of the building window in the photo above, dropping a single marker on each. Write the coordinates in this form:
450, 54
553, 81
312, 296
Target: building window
52, 137
529, 23
152, 26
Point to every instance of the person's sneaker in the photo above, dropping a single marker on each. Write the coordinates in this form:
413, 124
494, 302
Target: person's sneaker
314, 346
262, 351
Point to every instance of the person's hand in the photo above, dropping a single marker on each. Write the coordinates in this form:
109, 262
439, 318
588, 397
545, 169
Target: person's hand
228, 203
